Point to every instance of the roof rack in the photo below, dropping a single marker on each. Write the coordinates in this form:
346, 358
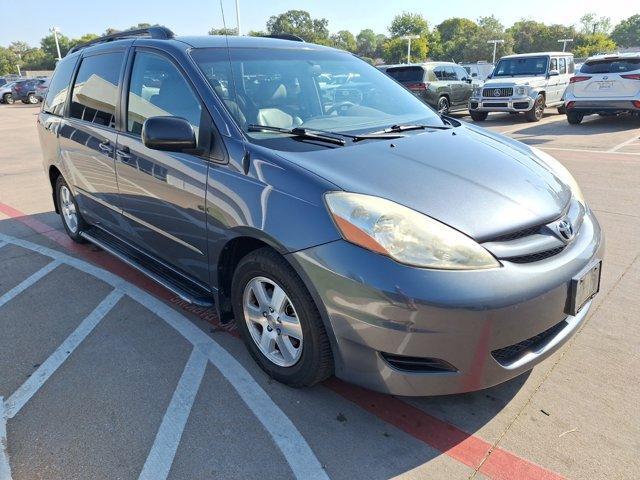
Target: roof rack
286, 36
158, 32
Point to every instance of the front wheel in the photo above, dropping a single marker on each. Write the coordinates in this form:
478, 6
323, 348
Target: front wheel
574, 118
32, 99
479, 116
72, 221
443, 106
7, 98
537, 111
280, 323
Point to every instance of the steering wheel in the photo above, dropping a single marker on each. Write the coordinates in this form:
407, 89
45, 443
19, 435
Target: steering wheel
341, 107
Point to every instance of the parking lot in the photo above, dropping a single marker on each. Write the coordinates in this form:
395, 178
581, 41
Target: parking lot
104, 374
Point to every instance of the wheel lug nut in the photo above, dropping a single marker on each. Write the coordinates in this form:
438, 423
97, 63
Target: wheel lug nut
264, 314
269, 328
271, 309
278, 331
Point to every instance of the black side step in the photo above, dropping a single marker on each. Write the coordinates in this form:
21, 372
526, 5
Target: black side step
188, 290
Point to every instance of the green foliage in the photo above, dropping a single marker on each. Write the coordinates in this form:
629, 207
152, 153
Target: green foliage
489, 28
367, 43
592, 24
395, 50
409, 24
48, 45
532, 36
8, 61
223, 31
300, 23
455, 36
344, 40
627, 32
587, 45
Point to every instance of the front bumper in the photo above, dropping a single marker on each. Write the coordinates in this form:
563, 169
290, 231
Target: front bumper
507, 104
374, 305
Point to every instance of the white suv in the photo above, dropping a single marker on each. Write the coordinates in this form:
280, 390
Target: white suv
606, 84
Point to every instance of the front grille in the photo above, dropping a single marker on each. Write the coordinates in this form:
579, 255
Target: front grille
418, 364
519, 234
535, 257
510, 354
503, 92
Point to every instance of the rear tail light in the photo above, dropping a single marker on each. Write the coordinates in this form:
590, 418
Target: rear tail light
577, 79
417, 87
632, 76
570, 104
636, 103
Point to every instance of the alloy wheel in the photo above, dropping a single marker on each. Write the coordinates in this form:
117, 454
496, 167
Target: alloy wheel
272, 321
443, 106
68, 207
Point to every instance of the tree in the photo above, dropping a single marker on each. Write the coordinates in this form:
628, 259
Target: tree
587, 45
36, 59
19, 48
627, 32
300, 23
395, 50
366, 43
455, 35
8, 61
489, 28
409, 24
344, 40
223, 31
140, 26
381, 39
48, 45
87, 37
592, 24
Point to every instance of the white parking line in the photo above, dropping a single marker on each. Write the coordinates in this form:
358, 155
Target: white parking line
295, 449
584, 150
167, 439
5, 470
22, 395
22, 286
624, 144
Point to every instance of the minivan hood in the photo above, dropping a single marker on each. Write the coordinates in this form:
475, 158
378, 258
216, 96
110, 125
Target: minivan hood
477, 182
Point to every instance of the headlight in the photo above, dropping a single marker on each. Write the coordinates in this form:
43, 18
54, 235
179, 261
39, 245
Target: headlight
561, 172
521, 90
477, 91
405, 235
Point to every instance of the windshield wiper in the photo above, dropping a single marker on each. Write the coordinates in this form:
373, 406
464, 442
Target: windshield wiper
298, 132
408, 126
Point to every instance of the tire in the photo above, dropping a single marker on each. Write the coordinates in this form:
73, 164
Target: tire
562, 110
443, 105
31, 99
315, 360
574, 118
7, 98
479, 116
81, 225
537, 111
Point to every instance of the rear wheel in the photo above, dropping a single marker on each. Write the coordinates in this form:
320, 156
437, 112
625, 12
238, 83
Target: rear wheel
7, 98
73, 222
574, 118
280, 323
32, 99
562, 110
443, 105
537, 111
479, 116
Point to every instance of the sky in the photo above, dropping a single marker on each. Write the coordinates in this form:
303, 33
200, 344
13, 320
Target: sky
195, 17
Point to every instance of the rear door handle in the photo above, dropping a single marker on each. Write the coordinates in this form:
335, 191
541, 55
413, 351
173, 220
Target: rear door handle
105, 147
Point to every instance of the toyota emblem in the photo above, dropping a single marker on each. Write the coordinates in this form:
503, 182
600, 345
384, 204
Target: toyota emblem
565, 229
496, 92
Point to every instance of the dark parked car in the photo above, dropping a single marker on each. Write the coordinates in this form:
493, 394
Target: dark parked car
25, 90
443, 85
355, 232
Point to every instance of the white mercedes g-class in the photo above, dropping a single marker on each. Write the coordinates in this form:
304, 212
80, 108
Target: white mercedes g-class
525, 83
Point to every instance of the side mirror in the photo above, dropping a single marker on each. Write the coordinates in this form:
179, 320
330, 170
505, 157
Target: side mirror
468, 80
554, 73
171, 134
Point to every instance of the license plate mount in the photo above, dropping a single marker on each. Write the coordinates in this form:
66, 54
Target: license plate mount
584, 287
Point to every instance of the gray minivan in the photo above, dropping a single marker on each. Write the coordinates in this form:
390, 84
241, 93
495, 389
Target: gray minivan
345, 226
445, 86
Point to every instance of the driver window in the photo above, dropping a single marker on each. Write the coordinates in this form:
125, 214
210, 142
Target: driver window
562, 65
554, 64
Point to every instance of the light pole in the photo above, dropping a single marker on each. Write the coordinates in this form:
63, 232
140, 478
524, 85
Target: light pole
238, 15
408, 38
564, 42
55, 31
495, 45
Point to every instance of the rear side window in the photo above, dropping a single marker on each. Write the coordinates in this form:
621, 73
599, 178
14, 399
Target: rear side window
95, 90
406, 74
562, 65
59, 87
619, 65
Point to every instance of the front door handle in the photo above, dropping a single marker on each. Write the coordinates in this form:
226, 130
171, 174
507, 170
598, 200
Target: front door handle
124, 153
105, 147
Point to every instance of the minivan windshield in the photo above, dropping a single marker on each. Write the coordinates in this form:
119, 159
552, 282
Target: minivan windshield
509, 67
291, 88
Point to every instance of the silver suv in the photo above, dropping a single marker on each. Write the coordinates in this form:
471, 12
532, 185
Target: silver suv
524, 83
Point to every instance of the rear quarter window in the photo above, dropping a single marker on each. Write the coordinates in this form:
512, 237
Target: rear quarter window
59, 87
619, 65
